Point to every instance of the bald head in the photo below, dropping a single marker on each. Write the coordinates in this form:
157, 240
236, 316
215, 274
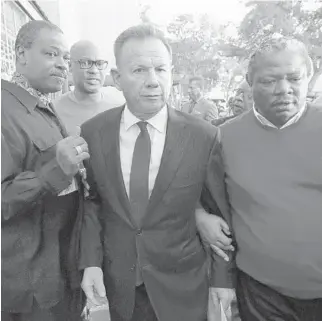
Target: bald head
84, 48
88, 66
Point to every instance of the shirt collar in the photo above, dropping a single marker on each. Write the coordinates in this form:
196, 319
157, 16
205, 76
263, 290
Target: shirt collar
23, 82
158, 121
264, 121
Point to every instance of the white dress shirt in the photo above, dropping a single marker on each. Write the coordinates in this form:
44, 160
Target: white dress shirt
264, 121
129, 132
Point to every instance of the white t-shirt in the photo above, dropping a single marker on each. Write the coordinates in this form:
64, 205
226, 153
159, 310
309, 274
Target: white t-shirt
74, 113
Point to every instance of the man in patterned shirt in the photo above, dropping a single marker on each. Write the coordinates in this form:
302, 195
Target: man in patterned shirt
39, 194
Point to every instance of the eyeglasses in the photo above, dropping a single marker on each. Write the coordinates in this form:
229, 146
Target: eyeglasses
87, 63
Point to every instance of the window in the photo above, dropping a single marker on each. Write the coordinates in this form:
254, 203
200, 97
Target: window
12, 18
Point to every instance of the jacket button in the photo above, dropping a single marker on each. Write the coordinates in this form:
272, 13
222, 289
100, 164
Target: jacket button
133, 268
139, 232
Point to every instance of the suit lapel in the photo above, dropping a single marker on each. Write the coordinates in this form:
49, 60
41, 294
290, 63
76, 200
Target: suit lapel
110, 142
176, 139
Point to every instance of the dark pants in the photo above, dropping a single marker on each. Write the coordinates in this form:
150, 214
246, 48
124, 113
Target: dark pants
56, 313
143, 310
69, 309
258, 302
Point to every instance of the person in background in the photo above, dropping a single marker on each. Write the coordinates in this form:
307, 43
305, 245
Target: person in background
150, 166
88, 68
221, 106
238, 104
245, 93
199, 106
39, 197
273, 165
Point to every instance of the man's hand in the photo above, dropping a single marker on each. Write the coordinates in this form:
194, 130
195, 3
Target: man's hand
93, 285
214, 230
224, 297
70, 152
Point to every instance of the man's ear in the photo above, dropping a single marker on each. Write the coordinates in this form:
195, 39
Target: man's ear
21, 55
116, 78
70, 66
250, 83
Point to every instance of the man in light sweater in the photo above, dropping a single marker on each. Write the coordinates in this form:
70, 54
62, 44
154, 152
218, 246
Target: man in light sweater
273, 163
87, 99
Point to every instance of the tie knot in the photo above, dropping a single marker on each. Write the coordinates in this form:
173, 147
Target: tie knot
142, 125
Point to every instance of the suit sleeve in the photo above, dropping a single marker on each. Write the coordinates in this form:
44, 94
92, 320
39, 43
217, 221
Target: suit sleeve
214, 199
91, 249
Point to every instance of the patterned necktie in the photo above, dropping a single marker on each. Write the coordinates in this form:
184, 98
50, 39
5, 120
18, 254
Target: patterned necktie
139, 177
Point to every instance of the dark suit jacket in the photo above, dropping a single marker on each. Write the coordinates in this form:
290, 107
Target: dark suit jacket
173, 260
36, 223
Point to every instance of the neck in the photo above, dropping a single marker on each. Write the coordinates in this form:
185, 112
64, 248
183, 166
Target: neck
142, 116
87, 97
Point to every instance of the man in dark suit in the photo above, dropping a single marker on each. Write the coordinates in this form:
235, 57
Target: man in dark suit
150, 166
39, 196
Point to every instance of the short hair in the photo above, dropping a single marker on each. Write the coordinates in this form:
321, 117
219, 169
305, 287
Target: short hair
277, 45
198, 79
29, 32
141, 31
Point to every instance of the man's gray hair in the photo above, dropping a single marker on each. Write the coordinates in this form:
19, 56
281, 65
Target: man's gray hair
141, 31
29, 32
276, 45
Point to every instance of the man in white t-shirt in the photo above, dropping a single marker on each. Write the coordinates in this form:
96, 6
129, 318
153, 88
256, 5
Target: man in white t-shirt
87, 99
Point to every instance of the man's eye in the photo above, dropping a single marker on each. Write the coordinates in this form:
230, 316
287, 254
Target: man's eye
295, 78
268, 81
100, 63
85, 63
51, 54
161, 70
138, 70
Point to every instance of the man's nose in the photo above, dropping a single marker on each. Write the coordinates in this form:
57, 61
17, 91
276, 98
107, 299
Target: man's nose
62, 63
282, 86
93, 69
152, 80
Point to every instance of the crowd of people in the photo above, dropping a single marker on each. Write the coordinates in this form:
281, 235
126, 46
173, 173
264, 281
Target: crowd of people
165, 214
